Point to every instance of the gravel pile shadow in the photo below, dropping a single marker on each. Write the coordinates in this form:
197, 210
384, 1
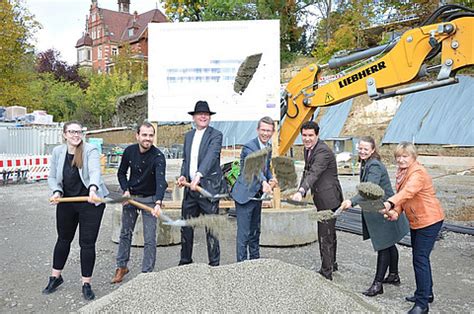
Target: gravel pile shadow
263, 285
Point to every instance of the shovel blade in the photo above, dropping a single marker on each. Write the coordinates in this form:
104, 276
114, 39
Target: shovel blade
176, 223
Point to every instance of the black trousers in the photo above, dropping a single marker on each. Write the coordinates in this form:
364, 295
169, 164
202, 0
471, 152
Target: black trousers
193, 206
327, 245
68, 216
386, 258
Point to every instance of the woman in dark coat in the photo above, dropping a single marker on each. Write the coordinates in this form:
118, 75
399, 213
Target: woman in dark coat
382, 233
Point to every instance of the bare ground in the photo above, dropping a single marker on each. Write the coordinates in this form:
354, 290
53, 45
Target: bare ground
28, 236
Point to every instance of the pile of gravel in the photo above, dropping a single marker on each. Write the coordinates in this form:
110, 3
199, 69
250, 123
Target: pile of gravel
263, 285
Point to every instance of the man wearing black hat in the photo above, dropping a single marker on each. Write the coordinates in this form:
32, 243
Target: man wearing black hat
201, 166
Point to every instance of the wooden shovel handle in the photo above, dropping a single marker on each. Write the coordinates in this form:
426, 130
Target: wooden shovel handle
188, 185
140, 205
78, 199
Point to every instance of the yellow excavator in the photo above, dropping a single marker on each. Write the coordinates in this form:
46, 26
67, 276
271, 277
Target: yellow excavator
403, 60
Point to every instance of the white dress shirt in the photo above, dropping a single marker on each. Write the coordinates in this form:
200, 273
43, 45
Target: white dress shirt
193, 160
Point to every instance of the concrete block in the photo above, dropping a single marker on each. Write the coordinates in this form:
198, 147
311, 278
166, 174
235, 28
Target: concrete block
166, 235
287, 227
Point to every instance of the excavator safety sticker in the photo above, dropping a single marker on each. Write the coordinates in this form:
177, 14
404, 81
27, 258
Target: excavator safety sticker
359, 75
329, 98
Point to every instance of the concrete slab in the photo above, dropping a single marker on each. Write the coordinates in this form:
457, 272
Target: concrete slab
287, 227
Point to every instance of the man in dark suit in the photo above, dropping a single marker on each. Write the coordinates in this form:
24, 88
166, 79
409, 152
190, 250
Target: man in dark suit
320, 176
249, 211
201, 166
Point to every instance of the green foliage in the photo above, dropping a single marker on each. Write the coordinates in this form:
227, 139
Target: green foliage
348, 28
17, 27
287, 11
184, 10
344, 29
101, 96
132, 65
218, 10
59, 98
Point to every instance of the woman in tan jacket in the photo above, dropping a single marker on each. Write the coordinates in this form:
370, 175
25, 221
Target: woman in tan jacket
416, 197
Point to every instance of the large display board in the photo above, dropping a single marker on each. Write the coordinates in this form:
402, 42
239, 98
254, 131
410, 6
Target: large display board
199, 61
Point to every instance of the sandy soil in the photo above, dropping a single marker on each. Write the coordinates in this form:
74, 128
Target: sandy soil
28, 235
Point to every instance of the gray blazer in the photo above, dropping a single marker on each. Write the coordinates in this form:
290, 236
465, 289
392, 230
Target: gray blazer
90, 173
382, 233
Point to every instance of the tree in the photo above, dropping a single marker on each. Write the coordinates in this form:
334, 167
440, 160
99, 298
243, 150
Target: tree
49, 62
59, 98
17, 28
102, 95
289, 12
133, 66
184, 10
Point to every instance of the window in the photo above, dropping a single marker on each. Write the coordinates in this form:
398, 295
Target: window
99, 52
130, 32
114, 51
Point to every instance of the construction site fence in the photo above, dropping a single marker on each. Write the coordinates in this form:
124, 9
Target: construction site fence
18, 168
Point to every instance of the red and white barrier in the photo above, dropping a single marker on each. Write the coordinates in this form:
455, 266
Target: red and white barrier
23, 167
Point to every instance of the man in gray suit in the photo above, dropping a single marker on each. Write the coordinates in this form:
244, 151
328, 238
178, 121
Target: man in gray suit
320, 176
249, 211
201, 166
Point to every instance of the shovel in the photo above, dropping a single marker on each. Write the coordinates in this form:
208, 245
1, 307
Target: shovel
327, 214
206, 193
266, 197
166, 220
98, 200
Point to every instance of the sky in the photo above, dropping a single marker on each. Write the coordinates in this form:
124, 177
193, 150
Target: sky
63, 21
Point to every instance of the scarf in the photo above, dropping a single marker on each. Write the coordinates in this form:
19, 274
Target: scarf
400, 175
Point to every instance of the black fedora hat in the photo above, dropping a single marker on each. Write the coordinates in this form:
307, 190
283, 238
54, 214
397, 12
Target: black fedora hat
201, 106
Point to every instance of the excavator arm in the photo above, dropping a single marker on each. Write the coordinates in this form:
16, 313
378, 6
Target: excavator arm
402, 62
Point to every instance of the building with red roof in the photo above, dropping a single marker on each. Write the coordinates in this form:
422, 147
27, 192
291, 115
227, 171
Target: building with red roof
108, 31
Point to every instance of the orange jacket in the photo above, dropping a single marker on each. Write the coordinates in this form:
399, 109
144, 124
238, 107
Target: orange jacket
417, 197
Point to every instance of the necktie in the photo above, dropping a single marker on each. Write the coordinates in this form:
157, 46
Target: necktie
308, 154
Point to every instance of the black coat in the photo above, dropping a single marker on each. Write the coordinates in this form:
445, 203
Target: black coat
382, 233
208, 160
320, 175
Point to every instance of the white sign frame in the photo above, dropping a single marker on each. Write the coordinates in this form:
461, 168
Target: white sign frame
195, 61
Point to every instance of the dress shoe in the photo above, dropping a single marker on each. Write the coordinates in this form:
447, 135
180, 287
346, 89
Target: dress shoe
327, 276
120, 272
375, 288
87, 292
412, 298
335, 267
53, 284
392, 279
416, 309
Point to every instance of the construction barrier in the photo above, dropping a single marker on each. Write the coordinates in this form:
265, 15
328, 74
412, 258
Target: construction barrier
23, 168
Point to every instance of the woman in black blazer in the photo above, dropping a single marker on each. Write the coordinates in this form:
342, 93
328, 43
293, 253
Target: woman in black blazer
382, 234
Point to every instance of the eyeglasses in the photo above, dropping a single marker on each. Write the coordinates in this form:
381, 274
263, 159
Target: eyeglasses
74, 132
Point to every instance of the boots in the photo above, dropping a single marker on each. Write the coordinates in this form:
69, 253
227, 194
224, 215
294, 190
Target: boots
375, 289
120, 272
392, 279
